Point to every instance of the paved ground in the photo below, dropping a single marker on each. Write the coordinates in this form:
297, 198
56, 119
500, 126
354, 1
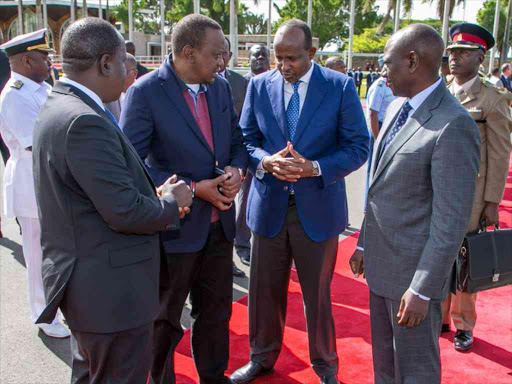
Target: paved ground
27, 356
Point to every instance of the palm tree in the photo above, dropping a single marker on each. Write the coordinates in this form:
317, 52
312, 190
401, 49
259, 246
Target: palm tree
84, 8
406, 5
39, 15
440, 7
20, 17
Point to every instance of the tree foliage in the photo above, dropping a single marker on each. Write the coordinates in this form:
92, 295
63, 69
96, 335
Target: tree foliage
485, 18
330, 18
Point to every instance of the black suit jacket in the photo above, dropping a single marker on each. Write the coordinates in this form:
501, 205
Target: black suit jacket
158, 122
141, 70
5, 69
100, 218
238, 85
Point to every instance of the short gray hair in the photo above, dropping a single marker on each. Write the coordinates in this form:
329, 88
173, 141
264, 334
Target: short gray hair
131, 60
333, 62
191, 30
85, 41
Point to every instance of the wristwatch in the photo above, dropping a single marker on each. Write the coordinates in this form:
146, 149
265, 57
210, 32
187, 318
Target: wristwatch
316, 170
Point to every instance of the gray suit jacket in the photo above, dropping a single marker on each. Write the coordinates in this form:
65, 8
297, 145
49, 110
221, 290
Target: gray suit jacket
238, 85
100, 218
420, 198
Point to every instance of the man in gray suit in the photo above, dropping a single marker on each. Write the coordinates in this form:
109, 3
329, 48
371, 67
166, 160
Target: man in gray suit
100, 214
420, 196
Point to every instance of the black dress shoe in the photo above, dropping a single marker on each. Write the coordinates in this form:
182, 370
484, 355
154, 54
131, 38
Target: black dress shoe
463, 340
329, 380
445, 328
238, 272
246, 260
248, 373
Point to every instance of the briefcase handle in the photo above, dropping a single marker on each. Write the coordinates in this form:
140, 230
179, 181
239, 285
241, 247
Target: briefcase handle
496, 271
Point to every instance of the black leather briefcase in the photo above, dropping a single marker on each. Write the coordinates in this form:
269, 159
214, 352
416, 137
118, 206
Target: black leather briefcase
485, 261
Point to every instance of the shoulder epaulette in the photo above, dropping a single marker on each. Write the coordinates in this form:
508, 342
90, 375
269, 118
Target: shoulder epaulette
17, 84
488, 84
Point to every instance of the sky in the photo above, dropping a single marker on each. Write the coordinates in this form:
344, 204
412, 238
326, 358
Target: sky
420, 10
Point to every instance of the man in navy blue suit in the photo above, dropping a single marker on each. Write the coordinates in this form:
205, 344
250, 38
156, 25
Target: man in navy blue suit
506, 71
305, 131
181, 120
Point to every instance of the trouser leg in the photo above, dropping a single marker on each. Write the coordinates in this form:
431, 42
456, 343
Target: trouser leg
268, 294
463, 310
243, 233
315, 267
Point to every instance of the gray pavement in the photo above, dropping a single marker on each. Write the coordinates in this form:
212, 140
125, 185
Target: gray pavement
27, 356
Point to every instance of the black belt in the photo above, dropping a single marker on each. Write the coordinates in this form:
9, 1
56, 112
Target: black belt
481, 121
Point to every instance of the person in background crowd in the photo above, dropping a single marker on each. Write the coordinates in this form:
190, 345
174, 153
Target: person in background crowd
414, 225
101, 222
181, 119
506, 71
336, 64
358, 78
488, 106
377, 102
495, 78
20, 102
305, 131
259, 60
445, 69
369, 82
115, 107
5, 73
54, 76
350, 73
130, 48
238, 85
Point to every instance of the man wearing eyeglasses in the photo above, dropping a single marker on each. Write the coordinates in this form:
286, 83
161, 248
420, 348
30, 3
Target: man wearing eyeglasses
131, 75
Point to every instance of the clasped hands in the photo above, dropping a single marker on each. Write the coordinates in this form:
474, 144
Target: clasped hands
413, 309
289, 169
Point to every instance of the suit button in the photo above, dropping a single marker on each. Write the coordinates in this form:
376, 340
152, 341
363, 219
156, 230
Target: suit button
285, 188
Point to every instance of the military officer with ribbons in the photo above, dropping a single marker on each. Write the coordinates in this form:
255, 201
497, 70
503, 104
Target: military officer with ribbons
488, 105
20, 102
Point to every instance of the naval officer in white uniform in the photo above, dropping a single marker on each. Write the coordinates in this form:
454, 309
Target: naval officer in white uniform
20, 102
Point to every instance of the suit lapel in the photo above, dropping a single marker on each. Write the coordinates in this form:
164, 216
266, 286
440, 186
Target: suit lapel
70, 90
417, 120
314, 97
172, 88
214, 119
275, 89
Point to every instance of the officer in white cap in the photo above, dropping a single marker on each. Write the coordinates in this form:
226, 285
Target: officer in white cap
20, 102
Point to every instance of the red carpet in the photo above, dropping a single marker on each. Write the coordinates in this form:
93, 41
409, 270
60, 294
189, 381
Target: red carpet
489, 362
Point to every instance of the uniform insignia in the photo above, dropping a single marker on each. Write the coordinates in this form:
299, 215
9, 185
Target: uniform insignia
474, 110
17, 84
500, 90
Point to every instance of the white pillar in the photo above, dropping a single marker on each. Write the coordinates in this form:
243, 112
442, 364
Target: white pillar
162, 28
84, 8
351, 33
233, 32
73, 9
269, 26
397, 16
310, 13
100, 11
446, 20
45, 15
197, 7
130, 20
20, 18
39, 15
495, 33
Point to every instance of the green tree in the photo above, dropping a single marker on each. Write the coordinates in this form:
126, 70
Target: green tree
370, 42
330, 18
405, 8
485, 18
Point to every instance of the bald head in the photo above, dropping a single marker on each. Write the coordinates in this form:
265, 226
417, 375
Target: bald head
412, 58
336, 64
424, 41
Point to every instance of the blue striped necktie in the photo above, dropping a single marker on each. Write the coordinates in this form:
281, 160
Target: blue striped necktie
402, 118
293, 110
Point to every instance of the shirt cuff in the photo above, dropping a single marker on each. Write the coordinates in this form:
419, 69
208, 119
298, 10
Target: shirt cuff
420, 296
260, 171
360, 248
318, 166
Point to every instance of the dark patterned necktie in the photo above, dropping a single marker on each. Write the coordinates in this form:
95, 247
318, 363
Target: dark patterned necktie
293, 110
402, 118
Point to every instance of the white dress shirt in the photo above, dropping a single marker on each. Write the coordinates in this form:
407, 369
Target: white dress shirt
19, 107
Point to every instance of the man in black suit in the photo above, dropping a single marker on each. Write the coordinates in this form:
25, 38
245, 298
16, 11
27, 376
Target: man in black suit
100, 214
181, 119
5, 74
358, 78
259, 60
130, 48
506, 71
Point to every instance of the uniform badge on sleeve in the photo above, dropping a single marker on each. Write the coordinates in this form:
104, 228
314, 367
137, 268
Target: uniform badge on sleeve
17, 84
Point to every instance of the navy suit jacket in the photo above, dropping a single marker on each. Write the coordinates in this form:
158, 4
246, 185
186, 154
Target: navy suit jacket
158, 122
331, 130
506, 82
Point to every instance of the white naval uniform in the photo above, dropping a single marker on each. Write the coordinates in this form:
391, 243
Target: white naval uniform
19, 108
